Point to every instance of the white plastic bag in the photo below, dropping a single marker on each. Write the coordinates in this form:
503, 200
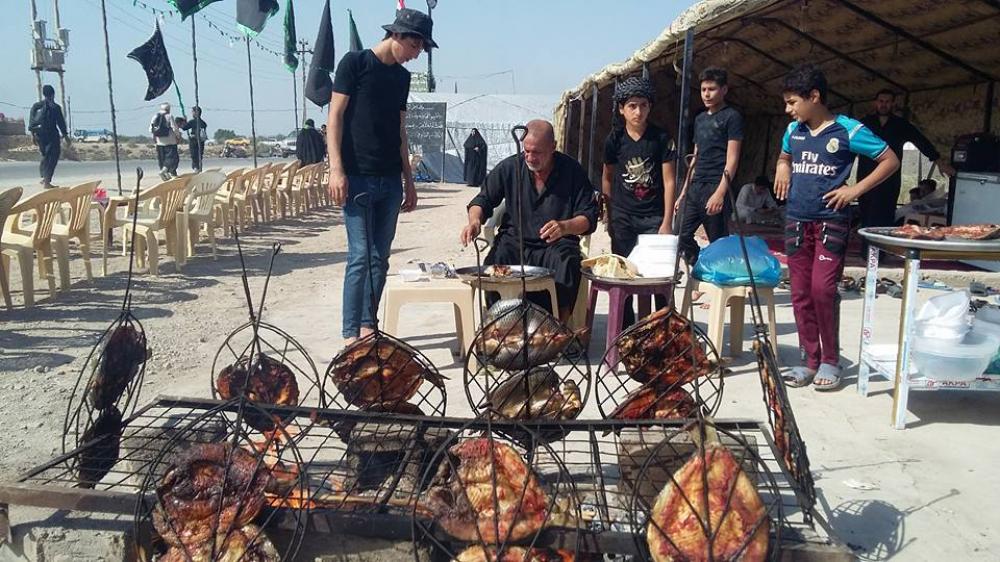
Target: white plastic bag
945, 317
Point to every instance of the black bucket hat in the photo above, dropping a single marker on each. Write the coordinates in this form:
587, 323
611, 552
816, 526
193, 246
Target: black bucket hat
416, 22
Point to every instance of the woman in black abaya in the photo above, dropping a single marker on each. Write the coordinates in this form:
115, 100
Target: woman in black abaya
475, 159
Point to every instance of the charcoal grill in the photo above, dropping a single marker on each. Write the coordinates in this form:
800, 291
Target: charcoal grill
603, 459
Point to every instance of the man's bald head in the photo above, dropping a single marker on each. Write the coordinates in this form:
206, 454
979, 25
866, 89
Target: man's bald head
541, 131
539, 145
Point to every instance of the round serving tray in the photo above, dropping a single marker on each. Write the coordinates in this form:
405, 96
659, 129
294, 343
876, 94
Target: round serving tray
882, 235
474, 273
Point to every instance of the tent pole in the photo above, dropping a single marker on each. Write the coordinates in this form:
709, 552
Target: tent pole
295, 98
111, 98
685, 109
579, 130
253, 121
593, 131
566, 126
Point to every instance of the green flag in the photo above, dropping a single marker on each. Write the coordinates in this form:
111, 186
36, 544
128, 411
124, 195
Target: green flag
251, 15
355, 38
291, 57
190, 7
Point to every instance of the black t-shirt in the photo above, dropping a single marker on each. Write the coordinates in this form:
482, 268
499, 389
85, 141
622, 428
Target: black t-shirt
712, 133
638, 179
567, 194
378, 92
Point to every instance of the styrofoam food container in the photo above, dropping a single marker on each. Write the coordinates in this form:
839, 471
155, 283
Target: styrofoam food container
950, 361
654, 254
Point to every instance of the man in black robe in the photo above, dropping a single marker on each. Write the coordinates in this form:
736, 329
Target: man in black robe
47, 125
310, 146
878, 206
198, 131
475, 159
557, 203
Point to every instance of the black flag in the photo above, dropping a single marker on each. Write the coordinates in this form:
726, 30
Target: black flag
319, 87
190, 7
355, 38
251, 15
291, 57
152, 55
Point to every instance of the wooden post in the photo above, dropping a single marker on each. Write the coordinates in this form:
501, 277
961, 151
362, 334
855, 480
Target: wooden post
685, 109
593, 131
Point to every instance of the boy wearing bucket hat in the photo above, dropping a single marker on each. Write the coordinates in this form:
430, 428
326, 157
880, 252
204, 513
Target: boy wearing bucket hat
638, 178
368, 153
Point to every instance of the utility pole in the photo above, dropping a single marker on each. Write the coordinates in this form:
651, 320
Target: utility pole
35, 37
303, 49
431, 86
62, 83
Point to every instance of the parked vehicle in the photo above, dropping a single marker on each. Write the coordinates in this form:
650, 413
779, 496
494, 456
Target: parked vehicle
92, 135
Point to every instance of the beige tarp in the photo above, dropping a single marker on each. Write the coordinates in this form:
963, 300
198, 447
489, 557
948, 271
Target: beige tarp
940, 57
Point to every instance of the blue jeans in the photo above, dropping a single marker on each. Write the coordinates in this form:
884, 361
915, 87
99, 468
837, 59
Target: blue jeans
385, 194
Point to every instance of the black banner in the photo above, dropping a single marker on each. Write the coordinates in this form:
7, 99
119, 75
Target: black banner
319, 86
152, 55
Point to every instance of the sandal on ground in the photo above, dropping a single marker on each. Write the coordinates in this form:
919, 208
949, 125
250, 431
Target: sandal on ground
829, 373
798, 377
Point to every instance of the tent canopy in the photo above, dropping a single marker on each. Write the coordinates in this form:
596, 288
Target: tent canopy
941, 58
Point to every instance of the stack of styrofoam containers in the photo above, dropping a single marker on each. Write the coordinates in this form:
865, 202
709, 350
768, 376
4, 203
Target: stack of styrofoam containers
655, 254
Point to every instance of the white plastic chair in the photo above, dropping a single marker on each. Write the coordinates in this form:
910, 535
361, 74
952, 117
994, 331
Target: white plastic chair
8, 198
78, 199
197, 210
23, 241
157, 212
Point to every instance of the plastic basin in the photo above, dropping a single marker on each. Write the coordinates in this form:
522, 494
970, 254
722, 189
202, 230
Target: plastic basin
950, 361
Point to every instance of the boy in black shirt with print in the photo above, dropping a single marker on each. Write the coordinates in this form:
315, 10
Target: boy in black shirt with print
638, 177
718, 136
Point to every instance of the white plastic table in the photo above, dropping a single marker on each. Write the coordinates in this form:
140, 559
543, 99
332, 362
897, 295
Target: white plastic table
894, 364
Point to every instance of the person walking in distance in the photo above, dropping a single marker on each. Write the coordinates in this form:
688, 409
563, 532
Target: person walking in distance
47, 124
198, 131
367, 148
165, 134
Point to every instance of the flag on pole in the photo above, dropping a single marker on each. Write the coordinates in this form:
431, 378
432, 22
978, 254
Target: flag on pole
319, 87
400, 4
152, 55
355, 38
189, 7
291, 56
251, 15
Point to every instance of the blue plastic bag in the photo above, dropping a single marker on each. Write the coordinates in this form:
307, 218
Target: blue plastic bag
721, 263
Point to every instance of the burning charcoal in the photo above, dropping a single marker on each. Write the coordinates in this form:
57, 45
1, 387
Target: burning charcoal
212, 489
96, 460
730, 508
123, 354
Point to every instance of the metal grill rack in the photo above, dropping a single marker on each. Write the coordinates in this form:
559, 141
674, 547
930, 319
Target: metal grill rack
603, 459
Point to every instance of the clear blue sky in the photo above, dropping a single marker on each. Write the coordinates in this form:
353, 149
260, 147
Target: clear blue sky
549, 44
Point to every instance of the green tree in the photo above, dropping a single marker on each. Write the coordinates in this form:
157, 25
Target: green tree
222, 135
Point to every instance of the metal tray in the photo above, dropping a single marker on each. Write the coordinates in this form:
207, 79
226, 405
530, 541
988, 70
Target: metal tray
637, 282
881, 235
474, 273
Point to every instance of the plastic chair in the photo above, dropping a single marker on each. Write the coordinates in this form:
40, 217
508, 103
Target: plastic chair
224, 204
78, 199
282, 180
157, 212
292, 195
197, 211
24, 242
436, 291
316, 186
8, 198
735, 299
260, 207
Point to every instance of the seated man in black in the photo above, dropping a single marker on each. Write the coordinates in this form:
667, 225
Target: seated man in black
557, 203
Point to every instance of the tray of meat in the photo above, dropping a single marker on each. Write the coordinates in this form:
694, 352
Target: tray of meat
965, 238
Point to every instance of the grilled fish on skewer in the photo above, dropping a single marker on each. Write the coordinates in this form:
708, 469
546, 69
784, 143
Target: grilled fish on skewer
734, 515
246, 544
97, 460
120, 360
513, 554
469, 508
649, 403
536, 395
268, 382
662, 349
377, 370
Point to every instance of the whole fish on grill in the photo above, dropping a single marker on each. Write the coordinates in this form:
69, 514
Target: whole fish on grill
269, 381
211, 489
537, 394
513, 554
734, 513
378, 370
502, 341
650, 403
246, 544
468, 507
123, 354
96, 460
662, 349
